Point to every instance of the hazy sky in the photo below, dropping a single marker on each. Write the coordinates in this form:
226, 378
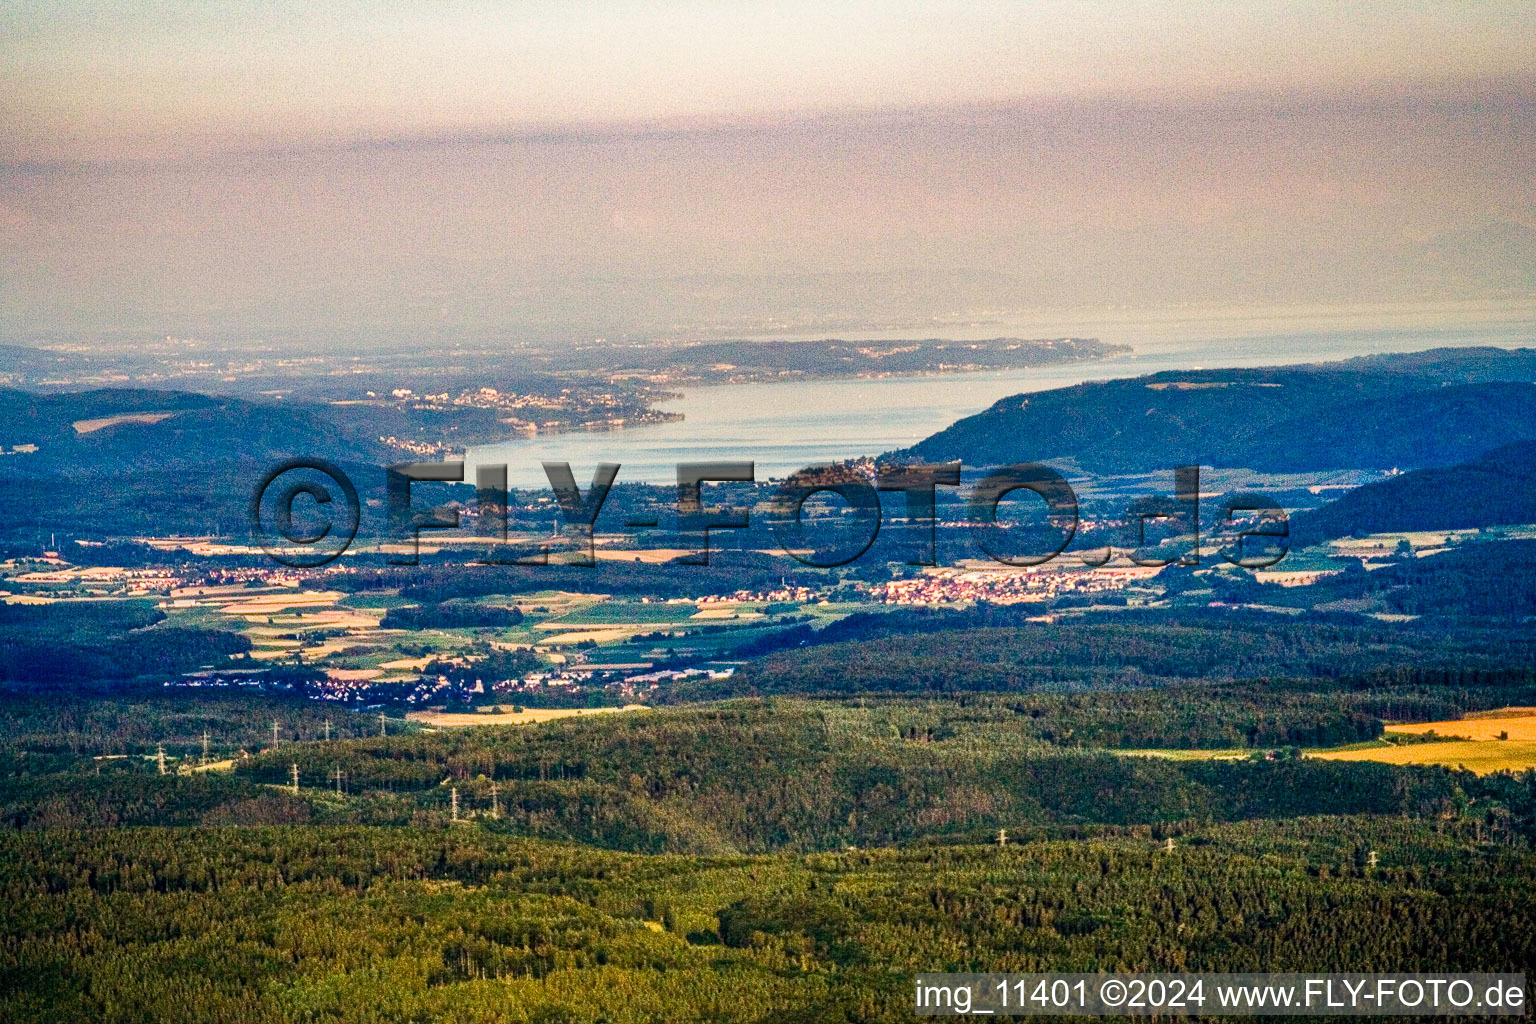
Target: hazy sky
321, 169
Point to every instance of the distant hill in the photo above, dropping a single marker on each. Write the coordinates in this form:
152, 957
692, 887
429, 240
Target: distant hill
1128, 650
833, 357
114, 430
14, 357
1433, 427
1380, 412
1495, 489
830, 357
1496, 579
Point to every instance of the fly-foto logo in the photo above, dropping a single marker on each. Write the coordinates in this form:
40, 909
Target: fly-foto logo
1252, 529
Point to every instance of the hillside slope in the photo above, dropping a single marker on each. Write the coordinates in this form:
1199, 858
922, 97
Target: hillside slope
1494, 580
116, 430
1381, 412
1494, 489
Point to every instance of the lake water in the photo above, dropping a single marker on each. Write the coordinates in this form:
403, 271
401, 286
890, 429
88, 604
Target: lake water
783, 427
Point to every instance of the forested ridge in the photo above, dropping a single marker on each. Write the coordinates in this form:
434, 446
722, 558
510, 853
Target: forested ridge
450, 615
1497, 487
131, 429
768, 775
102, 640
357, 924
1487, 581
1431, 408
1153, 648
138, 722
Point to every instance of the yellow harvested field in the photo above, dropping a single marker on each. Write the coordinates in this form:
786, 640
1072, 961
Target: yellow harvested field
91, 426
1231, 754
1481, 756
238, 591
316, 620
596, 635
728, 612
415, 664
266, 654
650, 556
510, 717
353, 674
1476, 748
271, 604
1519, 723
345, 620
554, 626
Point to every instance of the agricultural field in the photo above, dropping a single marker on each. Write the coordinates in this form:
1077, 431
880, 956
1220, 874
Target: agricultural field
1231, 754
379, 637
1483, 742
1518, 724
507, 714
1481, 756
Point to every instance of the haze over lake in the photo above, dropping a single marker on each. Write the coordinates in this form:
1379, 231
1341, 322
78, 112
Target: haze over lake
785, 426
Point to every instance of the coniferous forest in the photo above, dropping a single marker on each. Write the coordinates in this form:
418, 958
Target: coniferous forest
753, 860
345, 923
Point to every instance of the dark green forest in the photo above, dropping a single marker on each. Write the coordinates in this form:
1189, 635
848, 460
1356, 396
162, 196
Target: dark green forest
1116, 651
78, 641
1497, 487
356, 924
772, 775
450, 615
